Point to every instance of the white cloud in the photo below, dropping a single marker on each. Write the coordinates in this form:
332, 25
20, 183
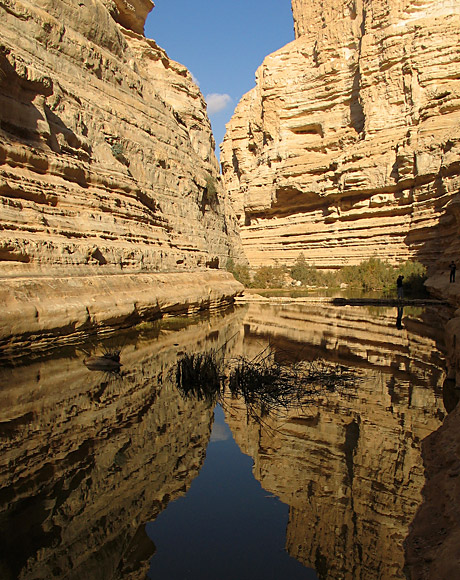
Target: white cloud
195, 80
217, 102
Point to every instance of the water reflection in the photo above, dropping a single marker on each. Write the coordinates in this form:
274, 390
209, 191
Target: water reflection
350, 469
226, 527
87, 459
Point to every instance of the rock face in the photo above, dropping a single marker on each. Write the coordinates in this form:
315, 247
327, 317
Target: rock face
37, 311
106, 151
348, 147
107, 158
350, 465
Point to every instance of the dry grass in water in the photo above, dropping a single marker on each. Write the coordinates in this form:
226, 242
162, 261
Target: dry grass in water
265, 385
198, 376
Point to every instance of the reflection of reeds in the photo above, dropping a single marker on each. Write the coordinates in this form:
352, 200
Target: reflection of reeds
198, 376
265, 385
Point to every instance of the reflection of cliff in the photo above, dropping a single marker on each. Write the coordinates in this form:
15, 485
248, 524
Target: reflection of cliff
353, 335
349, 466
86, 459
432, 546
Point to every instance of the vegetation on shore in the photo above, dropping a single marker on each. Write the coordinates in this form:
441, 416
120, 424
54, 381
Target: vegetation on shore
372, 274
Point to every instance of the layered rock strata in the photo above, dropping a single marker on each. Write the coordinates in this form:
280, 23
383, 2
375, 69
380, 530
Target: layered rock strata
348, 147
432, 547
349, 465
38, 312
88, 458
107, 158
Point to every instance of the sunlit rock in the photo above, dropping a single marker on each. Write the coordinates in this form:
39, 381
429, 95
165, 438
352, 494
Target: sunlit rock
107, 160
348, 146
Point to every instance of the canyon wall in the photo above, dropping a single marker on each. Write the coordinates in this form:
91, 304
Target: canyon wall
107, 160
348, 147
39, 313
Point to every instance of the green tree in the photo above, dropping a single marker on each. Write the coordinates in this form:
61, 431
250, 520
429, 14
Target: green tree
269, 277
307, 275
414, 277
371, 274
239, 271
376, 274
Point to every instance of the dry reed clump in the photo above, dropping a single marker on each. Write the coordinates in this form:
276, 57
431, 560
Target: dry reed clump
264, 384
268, 386
199, 376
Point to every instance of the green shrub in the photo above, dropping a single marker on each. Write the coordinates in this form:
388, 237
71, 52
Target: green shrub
307, 275
239, 271
375, 274
371, 274
414, 277
117, 151
209, 197
269, 277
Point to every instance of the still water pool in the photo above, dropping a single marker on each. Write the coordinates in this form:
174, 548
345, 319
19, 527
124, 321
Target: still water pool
227, 526
119, 476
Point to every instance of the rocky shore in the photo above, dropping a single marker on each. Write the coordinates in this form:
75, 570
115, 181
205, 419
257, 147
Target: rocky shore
38, 311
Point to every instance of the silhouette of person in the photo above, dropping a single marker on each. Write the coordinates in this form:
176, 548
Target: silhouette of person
452, 267
399, 286
399, 324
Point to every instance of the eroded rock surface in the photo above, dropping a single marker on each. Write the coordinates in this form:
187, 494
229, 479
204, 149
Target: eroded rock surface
348, 147
107, 167
107, 160
37, 312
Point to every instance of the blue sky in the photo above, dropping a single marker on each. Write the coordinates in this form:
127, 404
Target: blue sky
222, 43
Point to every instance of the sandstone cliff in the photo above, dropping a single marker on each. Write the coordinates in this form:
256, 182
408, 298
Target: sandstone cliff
348, 147
106, 153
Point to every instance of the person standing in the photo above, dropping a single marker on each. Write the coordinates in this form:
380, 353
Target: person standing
452, 267
399, 286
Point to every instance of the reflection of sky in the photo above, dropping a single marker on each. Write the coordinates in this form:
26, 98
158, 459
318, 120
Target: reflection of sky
220, 431
226, 527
